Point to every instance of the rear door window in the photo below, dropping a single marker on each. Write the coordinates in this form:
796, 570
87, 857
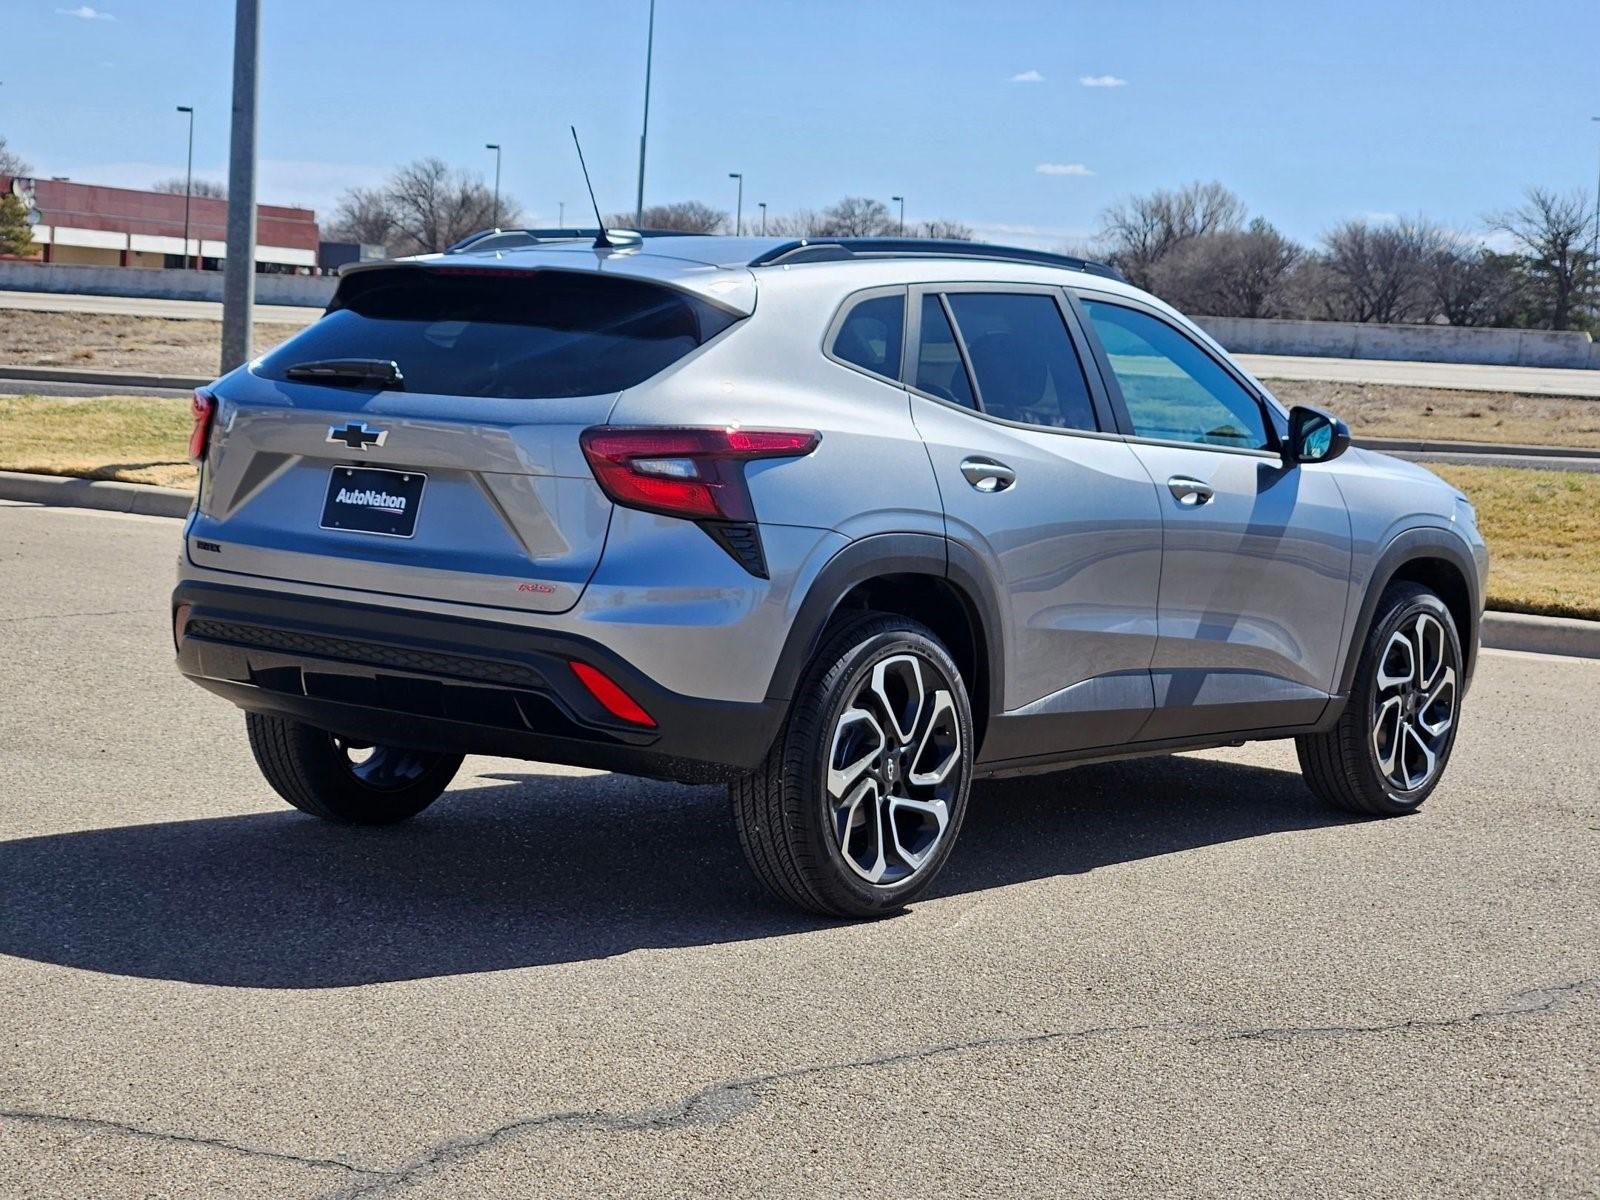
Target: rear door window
477, 331
1023, 358
872, 334
940, 371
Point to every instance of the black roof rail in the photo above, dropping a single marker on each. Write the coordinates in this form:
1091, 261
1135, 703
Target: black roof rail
510, 239
843, 248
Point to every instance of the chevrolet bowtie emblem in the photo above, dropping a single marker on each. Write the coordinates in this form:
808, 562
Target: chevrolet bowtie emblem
357, 436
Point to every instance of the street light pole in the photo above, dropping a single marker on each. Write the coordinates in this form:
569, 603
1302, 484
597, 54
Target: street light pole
239, 272
763, 206
902, 201
561, 214
188, 183
495, 146
738, 211
644, 132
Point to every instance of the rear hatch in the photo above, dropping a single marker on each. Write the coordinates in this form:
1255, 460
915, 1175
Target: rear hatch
422, 438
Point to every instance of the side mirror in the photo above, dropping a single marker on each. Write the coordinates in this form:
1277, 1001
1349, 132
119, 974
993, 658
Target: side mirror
1315, 435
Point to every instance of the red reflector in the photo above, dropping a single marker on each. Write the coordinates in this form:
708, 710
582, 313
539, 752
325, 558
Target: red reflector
615, 701
180, 620
693, 473
203, 408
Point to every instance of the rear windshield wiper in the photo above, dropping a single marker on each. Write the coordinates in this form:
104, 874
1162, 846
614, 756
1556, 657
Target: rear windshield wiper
350, 372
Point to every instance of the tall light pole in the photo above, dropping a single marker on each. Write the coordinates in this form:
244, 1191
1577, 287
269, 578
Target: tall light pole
1594, 257
239, 273
738, 210
762, 205
902, 201
561, 214
188, 183
644, 131
495, 146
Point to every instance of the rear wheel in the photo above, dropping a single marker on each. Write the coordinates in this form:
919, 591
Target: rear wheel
1391, 744
337, 779
858, 805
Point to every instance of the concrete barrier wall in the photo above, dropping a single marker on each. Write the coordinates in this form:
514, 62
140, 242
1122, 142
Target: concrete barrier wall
1408, 343
312, 291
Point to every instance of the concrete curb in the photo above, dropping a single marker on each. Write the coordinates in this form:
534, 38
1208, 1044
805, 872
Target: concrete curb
1501, 631
1541, 635
107, 379
105, 494
1418, 446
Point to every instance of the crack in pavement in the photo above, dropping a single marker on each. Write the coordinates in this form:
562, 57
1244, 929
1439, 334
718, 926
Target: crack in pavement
724, 1101
96, 1125
114, 612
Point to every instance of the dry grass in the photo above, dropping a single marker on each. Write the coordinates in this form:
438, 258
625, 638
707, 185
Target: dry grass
102, 342
1543, 527
1543, 530
1382, 410
138, 439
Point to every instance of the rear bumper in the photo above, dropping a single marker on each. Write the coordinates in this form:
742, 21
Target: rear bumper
444, 683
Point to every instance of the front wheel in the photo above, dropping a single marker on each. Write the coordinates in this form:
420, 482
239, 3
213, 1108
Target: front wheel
1390, 746
347, 782
859, 803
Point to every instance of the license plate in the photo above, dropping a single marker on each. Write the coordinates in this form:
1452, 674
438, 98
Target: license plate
371, 500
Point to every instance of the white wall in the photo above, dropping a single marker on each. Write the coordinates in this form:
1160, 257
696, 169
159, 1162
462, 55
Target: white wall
1408, 343
313, 291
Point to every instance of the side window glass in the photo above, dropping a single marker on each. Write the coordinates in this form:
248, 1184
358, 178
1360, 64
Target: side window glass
940, 371
1022, 355
871, 335
1174, 390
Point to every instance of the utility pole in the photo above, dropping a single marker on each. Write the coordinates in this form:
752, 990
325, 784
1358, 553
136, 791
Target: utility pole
1594, 253
762, 205
738, 211
902, 201
239, 271
561, 214
644, 133
188, 183
496, 148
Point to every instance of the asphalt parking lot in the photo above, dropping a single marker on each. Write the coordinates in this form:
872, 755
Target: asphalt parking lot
1172, 977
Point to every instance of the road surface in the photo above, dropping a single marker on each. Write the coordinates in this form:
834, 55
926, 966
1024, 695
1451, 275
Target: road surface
1178, 976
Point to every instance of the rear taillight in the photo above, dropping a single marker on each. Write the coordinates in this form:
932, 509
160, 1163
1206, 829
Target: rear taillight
204, 410
693, 473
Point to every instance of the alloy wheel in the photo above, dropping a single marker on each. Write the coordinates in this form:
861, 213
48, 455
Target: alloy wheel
894, 769
1414, 703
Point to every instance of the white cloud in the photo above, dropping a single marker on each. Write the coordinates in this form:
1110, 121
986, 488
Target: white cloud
1063, 169
1027, 77
84, 13
1102, 81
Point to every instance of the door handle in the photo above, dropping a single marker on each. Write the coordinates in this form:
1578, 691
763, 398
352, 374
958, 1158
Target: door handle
1191, 493
986, 475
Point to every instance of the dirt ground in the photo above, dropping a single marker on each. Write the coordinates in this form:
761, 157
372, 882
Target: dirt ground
102, 342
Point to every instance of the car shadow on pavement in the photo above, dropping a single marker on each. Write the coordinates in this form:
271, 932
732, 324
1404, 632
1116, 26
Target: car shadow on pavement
545, 869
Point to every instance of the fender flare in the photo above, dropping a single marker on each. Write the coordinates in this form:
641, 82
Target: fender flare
1410, 545
881, 554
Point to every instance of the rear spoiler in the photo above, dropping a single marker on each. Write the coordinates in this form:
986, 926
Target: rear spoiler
732, 289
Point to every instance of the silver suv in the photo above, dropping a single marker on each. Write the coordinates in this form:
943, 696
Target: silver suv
846, 524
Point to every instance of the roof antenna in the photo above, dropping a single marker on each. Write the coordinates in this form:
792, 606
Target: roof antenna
601, 242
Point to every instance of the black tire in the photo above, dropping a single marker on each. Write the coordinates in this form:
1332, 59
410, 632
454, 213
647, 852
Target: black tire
318, 773
784, 812
1343, 766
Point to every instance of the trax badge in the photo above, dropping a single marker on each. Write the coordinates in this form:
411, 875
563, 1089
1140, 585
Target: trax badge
357, 436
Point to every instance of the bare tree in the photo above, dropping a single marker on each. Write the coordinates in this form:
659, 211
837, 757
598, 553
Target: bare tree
1234, 273
1472, 285
857, 216
12, 163
364, 215
1140, 230
208, 188
684, 216
423, 208
1552, 231
1380, 272
953, 231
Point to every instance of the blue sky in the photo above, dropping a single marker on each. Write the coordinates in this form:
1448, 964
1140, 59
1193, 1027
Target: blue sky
1312, 110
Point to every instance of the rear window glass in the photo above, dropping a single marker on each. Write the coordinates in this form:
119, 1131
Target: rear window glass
477, 332
870, 336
